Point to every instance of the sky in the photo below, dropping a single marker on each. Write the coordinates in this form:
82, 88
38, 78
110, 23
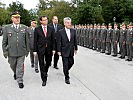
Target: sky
28, 4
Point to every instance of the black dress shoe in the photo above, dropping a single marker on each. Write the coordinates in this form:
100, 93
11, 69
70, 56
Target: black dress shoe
122, 57
36, 70
21, 85
32, 66
67, 81
14, 77
128, 59
108, 53
43, 83
56, 67
114, 55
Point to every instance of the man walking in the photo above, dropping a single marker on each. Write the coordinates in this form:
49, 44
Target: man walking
34, 59
16, 46
56, 28
67, 46
44, 46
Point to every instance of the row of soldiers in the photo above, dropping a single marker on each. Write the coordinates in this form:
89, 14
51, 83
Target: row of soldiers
107, 39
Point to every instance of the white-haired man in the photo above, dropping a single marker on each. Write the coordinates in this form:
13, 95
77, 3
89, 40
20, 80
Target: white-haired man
67, 46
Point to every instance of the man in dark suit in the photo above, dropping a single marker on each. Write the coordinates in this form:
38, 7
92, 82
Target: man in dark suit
44, 46
67, 46
56, 28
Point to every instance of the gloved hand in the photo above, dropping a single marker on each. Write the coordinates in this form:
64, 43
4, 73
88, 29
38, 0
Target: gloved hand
5, 54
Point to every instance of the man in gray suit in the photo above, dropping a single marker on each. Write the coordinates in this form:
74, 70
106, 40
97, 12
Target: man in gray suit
15, 46
34, 59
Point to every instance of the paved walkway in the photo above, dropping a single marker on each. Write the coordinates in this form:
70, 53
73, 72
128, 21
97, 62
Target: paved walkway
94, 76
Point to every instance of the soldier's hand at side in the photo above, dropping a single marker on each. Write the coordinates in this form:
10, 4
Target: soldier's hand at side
5, 54
35, 53
53, 52
75, 51
59, 53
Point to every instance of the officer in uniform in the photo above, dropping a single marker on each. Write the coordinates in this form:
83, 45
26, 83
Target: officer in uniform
34, 59
123, 34
129, 42
15, 46
109, 39
115, 39
103, 38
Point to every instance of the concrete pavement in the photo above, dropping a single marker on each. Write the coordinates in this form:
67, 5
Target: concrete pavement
94, 76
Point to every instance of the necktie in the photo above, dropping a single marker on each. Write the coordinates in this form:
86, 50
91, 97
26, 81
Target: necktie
55, 27
45, 33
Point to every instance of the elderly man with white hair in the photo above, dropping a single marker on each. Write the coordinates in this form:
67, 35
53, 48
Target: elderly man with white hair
66, 47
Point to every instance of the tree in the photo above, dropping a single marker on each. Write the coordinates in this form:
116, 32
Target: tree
25, 14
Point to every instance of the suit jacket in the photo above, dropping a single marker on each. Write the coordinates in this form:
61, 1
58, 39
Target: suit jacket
65, 46
58, 28
40, 41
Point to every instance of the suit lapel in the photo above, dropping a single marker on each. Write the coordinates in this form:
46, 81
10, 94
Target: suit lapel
66, 35
41, 30
71, 34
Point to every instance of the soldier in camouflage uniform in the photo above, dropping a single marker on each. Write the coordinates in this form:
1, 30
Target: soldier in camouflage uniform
15, 46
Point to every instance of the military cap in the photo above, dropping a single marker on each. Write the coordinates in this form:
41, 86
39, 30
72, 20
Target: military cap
123, 24
130, 24
103, 24
15, 14
116, 24
95, 24
109, 24
98, 24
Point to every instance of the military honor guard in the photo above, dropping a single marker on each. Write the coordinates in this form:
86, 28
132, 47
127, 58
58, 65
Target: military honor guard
122, 40
109, 39
115, 39
129, 42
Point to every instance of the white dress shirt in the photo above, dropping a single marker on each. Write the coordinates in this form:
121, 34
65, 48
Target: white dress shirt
68, 33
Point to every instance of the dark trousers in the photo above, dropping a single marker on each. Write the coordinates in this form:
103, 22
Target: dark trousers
44, 63
56, 58
108, 46
103, 46
67, 64
115, 48
123, 49
129, 51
